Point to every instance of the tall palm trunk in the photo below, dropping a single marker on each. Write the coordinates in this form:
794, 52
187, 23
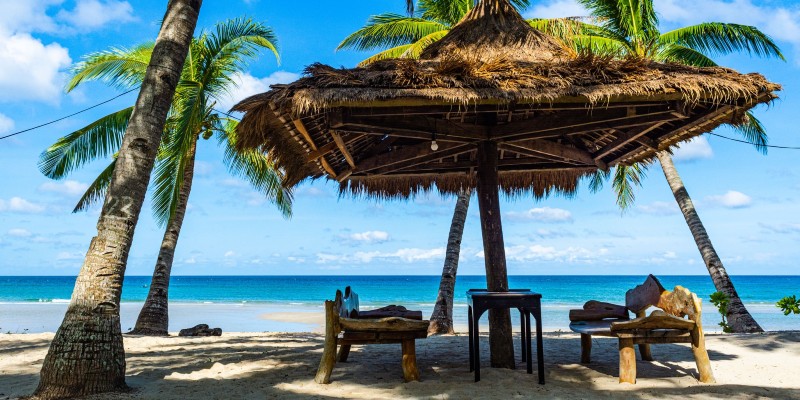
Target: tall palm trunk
442, 316
739, 318
86, 355
153, 320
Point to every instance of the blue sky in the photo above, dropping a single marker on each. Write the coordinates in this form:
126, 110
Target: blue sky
748, 202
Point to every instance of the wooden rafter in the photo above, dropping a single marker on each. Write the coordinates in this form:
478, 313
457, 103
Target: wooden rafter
625, 138
430, 156
343, 148
304, 132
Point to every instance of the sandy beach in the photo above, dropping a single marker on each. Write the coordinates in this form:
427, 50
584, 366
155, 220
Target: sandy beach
282, 365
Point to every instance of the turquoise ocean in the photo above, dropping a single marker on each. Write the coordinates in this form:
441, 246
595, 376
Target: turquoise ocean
261, 303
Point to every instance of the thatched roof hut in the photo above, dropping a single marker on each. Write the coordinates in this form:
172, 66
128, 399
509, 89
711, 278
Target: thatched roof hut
494, 105
555, 116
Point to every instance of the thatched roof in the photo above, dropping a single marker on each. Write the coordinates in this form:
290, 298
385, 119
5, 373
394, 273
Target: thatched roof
554, 116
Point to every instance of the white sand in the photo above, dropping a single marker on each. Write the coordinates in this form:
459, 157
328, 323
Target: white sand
282, 365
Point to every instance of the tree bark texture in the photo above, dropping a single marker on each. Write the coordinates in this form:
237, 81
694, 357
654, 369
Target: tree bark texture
442, 316
501, 346
153, 319
86, 355
739, 318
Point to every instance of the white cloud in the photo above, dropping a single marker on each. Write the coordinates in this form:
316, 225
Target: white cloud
20, 205
68, 187
695, 149
93, 14
6, 124
782, 228
556, 9
30, 70
19, 232
230, 253
27, 15
370, 236
69, 256
406, 255
542, 214
523, 253
731, 199
248, 85
659, 208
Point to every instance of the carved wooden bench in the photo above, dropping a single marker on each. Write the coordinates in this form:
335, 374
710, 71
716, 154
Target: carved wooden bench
666, 325
391, 324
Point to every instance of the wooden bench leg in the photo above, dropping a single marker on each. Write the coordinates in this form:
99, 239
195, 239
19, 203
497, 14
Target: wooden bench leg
701, 357
410, 372
329, 352
644, 351
586, 348
344, 351
627, 361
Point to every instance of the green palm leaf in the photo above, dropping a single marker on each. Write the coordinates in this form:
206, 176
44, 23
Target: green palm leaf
684, 55
415, 49
390, 30
99, 139
119, 67
97, 190
754, 132
716, 38
255, 167
394, 52
626, 179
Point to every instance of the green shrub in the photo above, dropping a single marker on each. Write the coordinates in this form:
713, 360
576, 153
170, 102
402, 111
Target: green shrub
721, 301
789, 305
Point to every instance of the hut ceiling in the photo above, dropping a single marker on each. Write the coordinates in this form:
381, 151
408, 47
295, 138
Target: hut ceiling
555, 118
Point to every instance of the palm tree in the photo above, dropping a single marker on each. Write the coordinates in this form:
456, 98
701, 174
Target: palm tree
213, 58
86, 355
442, 316
630, 28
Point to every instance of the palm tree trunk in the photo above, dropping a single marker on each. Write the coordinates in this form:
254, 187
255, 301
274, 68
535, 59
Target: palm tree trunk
739, 318
153, 319
86, 355
442, 316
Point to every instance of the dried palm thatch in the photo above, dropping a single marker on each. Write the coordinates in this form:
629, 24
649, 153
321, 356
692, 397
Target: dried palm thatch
493, 77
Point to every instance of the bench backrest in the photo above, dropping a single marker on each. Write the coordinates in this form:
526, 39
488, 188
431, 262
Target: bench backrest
347, 304
679, 302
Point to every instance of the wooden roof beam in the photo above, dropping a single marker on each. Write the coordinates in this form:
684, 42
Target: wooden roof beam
343, 148
389, 125
304, 132
625, 138
432, 156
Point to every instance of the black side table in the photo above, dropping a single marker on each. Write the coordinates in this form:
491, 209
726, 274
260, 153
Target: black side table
528, 303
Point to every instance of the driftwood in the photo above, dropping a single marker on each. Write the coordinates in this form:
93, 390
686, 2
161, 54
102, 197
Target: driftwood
666, 325
596, 311
200, 330
342, 316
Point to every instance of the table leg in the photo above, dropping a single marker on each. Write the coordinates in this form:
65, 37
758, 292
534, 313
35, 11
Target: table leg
539, 350
471, 344
522, 334
527, 348
476, 340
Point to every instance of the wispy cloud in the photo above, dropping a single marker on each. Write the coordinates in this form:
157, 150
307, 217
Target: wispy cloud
19, 232
542, 214
695, 149
783, 228
369, 236
6, 124
93, 14
731, 199
404, 255
659, 208
248, 85
68, 187
20, 205
572, 254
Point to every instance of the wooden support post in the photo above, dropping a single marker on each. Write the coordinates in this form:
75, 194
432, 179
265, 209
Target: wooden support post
329, 353
701, 355
627, 361
410, 372
344, 352
501, 344
644, 351
586, 348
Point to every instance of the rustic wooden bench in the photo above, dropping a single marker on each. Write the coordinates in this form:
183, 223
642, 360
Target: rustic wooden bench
391, 324
665, 325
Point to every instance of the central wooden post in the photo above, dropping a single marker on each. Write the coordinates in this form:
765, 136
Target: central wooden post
501, 345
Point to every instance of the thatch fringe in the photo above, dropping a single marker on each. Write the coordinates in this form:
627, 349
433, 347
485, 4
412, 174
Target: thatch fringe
539, 184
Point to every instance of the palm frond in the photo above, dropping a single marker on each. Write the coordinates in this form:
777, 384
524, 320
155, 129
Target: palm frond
599, 45
447, 12
119, 67
390, 30
394, 52
255, 167
97, 190
754, 132
626, 179
683, 55
99, 139
716, 38
598, 179
415, 49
